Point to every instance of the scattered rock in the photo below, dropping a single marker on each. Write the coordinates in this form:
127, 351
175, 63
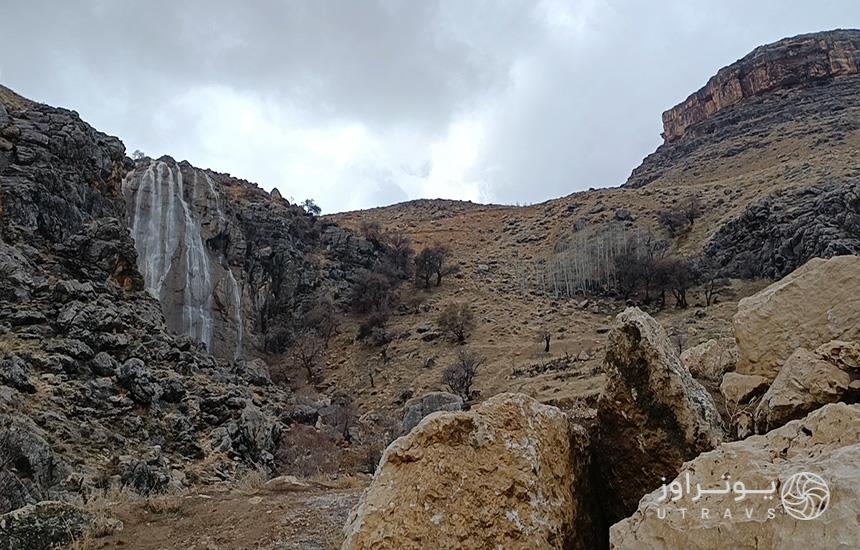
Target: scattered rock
768, 326
825, 443
652, 416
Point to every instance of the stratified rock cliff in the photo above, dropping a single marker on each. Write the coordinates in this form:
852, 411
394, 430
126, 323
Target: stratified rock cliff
796, 61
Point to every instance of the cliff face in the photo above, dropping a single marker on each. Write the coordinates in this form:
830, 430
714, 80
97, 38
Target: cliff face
795, 61
232, 266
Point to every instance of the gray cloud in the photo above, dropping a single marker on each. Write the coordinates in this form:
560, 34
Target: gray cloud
365, 103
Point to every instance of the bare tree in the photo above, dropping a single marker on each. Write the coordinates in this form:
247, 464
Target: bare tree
546, 336
307, 352
460, 376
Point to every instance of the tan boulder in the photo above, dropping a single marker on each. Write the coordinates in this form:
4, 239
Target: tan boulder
809, 380
814, 304
506, 474
738, 389
825, 443
710, 360
652, 415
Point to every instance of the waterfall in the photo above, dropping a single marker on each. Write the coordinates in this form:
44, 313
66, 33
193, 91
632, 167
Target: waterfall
166, 233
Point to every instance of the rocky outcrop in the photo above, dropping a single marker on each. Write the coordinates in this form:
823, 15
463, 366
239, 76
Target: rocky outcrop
797, 61
418, 407
809, 380
813, 305
505, 474
652, 415
825, 443
44, 526
710, 360
776, 235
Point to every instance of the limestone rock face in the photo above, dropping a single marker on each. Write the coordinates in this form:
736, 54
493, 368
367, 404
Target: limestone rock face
809, 380
787, 63
813, 305
712, 359
740, 388
825, 443
503, 475
652, 415
418, 407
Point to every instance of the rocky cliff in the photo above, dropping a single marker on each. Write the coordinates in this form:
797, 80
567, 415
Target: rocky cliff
115, 278
232, 266
797, 61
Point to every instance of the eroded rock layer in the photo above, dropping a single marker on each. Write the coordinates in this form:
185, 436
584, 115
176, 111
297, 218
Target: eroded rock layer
796, 61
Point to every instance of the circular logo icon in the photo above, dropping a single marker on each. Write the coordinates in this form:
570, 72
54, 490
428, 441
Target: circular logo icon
805, 496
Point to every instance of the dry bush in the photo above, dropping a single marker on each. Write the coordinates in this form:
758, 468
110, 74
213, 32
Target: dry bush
305, 451
371, 292
164, 505
457, 321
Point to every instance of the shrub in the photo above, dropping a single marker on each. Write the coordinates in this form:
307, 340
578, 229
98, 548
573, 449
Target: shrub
371, 292
457, 320
460, 376
433, 262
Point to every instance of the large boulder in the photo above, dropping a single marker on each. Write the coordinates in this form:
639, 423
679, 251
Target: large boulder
710, 360
652, 415
506, 474
812, 305
826, 443
418, 407
809, 380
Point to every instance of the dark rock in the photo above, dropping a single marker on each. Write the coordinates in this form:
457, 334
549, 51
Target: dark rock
138, 380
43, 526
14, 373
103, 364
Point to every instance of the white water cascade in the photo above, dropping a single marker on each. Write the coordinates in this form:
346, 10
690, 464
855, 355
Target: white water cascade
172, 255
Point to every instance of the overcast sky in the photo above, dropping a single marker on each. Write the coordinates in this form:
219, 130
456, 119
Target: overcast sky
366, 103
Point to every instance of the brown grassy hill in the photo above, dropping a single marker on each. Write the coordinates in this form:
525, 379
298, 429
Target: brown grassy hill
789, 138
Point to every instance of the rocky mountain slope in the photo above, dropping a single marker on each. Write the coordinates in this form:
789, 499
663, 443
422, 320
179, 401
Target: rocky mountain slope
118, 280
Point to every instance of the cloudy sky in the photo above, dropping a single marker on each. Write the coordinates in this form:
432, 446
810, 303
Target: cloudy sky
371, 102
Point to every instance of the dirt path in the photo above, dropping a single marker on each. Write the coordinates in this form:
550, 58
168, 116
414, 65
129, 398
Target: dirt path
261, 519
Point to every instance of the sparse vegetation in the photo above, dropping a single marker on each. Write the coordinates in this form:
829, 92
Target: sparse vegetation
307, 353
433, 261
310, 206
460, 376
457, 321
